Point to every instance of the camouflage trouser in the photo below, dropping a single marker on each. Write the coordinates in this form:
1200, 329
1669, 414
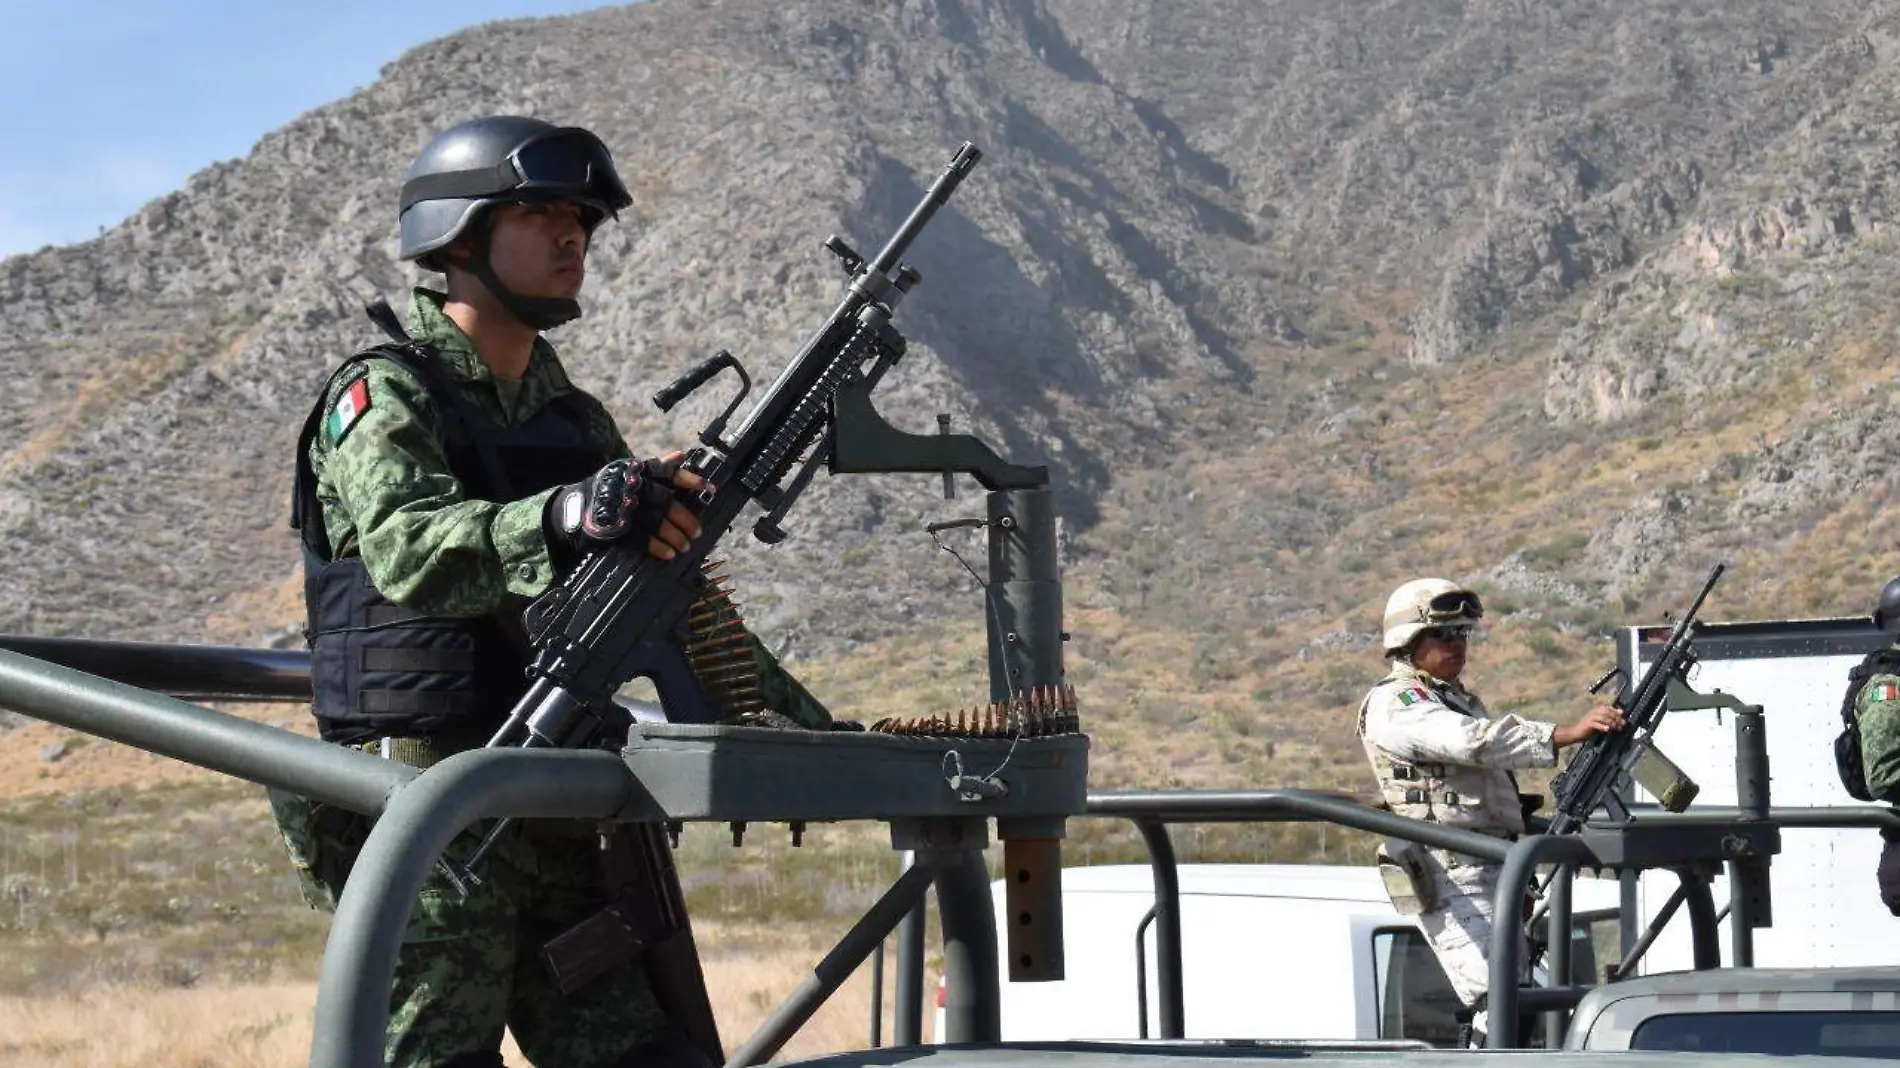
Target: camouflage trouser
1888, 874
1460, 929
468, 967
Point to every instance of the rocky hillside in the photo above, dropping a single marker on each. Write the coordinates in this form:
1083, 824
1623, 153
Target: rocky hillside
1568, 299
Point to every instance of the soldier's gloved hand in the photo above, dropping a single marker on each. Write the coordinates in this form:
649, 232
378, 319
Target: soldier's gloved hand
1602, 719
626, 499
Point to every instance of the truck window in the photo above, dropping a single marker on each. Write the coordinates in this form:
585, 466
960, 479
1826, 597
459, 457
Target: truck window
1412, 996
1840, 1033
1596, 942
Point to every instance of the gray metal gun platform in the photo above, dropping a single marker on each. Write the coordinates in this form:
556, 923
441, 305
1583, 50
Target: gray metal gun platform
691, 772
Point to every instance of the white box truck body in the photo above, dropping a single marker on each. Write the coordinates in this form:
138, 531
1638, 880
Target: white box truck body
1273, 951
1826, 906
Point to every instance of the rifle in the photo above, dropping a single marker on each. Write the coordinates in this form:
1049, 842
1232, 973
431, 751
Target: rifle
1608, 760
619, 614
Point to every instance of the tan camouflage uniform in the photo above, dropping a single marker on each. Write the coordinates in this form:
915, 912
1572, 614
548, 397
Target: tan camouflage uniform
469, 967
1439, 756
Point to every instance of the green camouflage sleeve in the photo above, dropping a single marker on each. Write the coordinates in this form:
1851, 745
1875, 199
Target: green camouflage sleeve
1877, 709
784, 694
383, 476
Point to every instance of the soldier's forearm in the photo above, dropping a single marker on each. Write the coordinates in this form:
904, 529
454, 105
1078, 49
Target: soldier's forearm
465, 559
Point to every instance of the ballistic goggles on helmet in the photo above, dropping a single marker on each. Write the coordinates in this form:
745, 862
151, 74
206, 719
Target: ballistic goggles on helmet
1456, 605
565, 163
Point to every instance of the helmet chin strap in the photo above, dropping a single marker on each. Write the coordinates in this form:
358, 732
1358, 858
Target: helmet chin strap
541, 313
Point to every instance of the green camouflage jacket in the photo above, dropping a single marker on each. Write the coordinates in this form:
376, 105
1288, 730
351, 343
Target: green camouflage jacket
1877, 710
388, 496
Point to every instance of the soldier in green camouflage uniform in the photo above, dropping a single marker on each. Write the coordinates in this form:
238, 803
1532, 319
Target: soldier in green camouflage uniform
1876, 712
415, 583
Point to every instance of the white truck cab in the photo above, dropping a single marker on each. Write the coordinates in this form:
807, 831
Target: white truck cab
1268, 951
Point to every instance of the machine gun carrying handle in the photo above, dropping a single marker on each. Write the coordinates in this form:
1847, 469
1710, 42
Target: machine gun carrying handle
684, 385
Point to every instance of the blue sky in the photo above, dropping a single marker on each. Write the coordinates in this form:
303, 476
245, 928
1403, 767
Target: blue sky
107, 104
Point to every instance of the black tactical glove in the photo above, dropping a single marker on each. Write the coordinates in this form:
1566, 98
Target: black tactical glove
625, 499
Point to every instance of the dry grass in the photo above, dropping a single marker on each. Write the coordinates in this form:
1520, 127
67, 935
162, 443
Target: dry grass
268, 1024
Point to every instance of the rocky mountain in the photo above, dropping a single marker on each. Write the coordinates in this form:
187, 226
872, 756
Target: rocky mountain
1566, 299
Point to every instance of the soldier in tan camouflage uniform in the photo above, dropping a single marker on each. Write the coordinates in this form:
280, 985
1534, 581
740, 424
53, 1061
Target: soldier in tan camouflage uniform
1440, 756
443, 481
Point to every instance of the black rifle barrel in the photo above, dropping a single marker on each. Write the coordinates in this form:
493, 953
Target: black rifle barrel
870, 285
1596, 768
1655, 682
953, 174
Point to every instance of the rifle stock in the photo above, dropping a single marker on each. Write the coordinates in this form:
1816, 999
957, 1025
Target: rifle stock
1605, 760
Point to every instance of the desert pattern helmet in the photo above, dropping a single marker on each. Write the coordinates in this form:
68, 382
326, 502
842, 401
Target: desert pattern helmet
1427, 602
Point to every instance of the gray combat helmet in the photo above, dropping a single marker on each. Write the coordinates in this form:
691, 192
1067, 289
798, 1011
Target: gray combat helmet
502, 159
1887, 612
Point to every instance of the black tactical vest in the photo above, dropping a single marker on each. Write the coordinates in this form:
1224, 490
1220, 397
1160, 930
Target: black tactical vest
1847, 755
381, 670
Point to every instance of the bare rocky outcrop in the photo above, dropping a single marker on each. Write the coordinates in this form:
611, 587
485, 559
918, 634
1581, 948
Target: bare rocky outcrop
1246, 273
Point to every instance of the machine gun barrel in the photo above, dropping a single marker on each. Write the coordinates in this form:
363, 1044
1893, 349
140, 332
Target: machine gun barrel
1604, 760
617, 615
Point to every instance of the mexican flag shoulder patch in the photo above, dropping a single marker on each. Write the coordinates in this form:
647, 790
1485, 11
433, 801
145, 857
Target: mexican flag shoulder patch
350, 406
1886, 691
1412, 695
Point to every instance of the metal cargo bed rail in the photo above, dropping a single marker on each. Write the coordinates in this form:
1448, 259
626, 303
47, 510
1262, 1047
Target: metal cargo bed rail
419, 813
1152, 811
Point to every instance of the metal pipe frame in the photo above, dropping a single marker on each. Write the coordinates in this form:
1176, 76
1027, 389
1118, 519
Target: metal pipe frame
1289, 806
973, 1000
418, 816
1704, 928
877, 996
208, 738
1520, 868
1877, 817
836, 966
225, 672
58, 693
1151, 812
1647, 938
1171, 1003
1557, 930
1141, 969
907, 987
1507, 941
359, 958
